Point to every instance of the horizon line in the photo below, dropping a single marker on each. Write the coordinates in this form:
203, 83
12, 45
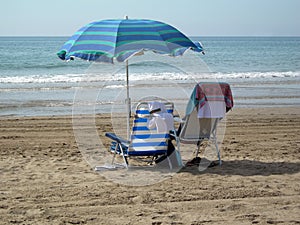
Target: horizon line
186, 35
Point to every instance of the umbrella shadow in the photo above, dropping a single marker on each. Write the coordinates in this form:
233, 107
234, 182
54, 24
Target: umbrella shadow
248, 168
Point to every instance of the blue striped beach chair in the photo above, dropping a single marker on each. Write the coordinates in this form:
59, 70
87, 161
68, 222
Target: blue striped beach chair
143, 141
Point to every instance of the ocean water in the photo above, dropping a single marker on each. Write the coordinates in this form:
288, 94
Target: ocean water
262, 72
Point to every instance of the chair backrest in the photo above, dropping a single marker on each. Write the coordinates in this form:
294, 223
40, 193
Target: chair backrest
195, 129
145, 141
142, 109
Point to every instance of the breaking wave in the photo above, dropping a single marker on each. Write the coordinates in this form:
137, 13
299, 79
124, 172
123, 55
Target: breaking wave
75, 78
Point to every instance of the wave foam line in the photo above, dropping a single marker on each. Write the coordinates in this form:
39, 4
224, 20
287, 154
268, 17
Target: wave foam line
75, 78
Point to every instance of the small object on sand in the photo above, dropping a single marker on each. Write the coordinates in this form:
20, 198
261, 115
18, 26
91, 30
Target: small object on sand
194, 161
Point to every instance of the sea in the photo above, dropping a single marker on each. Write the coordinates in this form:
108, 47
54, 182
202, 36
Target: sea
262, 72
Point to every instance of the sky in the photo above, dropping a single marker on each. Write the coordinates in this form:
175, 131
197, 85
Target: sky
192, 17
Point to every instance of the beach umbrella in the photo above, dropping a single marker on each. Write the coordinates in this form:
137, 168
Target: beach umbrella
116, 40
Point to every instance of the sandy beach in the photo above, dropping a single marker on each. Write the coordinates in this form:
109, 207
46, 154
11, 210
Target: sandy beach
45, 180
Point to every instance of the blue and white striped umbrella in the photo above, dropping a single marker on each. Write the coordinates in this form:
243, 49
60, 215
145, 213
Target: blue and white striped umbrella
108, 40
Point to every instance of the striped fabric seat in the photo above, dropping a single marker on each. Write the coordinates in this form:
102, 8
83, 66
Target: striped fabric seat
142, 112
143, 141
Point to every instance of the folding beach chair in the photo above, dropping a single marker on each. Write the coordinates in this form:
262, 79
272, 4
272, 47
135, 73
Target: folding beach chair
143, 141
206, 108
195, 130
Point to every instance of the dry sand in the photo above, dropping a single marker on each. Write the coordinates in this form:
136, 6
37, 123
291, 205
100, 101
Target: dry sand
45, 180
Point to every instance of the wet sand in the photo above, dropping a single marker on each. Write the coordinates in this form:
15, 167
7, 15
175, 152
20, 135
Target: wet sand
45, 180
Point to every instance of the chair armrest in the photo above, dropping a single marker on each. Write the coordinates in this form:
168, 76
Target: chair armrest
114, 137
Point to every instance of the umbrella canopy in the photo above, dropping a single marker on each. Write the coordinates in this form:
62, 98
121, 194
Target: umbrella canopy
109, 40
118, 40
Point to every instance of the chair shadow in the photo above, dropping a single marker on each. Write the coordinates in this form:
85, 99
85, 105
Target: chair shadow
247, 168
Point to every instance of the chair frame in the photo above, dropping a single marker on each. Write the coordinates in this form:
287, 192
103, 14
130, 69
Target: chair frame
122, 146
212, 136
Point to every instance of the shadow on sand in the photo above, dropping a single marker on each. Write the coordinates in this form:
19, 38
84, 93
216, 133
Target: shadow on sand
247, 168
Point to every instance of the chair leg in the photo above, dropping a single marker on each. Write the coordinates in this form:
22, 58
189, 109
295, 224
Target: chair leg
218, 151
114, 156
124, 157
198, 148
153, 159
214, 134
170, 164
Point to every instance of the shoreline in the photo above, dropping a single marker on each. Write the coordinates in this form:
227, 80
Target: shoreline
272, 109
52, 101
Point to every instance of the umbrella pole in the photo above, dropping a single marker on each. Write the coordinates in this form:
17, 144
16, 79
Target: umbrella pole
128, 101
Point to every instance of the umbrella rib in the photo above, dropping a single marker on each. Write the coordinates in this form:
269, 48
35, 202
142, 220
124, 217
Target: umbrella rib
117, 32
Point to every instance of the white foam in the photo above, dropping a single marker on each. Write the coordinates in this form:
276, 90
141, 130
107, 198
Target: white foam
76, 78
114, 86
258, 74
42, 78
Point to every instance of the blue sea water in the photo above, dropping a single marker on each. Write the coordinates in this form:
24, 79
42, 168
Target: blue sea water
262, 71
